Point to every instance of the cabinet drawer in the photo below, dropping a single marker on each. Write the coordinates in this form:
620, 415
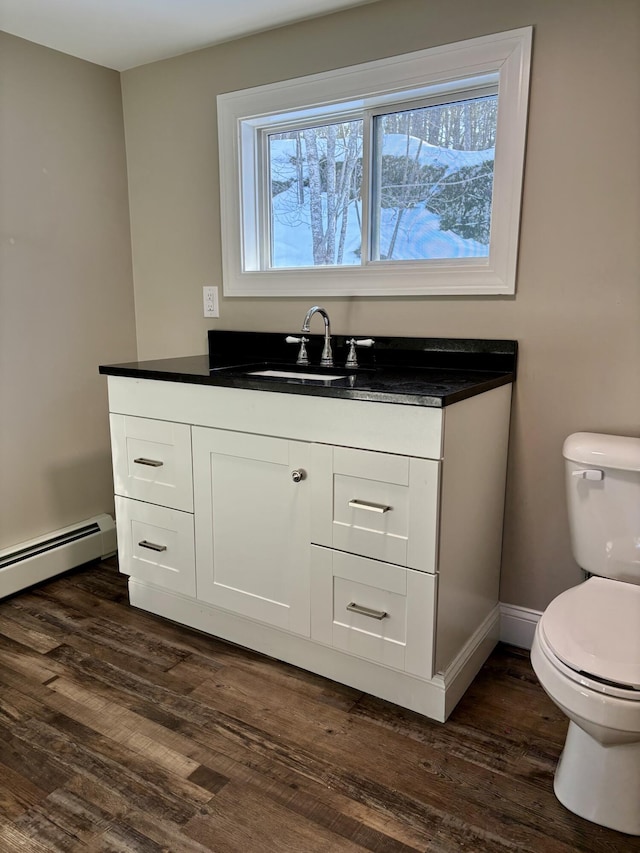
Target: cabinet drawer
152, 461
373, 610
156, 544
377, 505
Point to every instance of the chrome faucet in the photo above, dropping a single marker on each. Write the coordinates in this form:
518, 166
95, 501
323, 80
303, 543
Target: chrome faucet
326, 359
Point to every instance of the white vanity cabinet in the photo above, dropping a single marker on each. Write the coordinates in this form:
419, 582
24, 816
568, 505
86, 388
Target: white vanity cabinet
360, 540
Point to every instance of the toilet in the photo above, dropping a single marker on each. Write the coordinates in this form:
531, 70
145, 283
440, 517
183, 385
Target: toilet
586, 648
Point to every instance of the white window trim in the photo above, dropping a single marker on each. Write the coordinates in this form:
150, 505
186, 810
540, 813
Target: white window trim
507, 55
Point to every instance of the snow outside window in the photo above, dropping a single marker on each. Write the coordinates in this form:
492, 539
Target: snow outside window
395, 177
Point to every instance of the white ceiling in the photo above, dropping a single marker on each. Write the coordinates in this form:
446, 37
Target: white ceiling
121, 34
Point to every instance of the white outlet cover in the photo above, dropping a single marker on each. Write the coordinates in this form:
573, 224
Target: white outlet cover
210, 301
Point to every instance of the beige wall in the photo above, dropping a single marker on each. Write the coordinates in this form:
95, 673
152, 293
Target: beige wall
577, 309
66, 293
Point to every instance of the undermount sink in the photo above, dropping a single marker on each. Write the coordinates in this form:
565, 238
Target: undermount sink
271, 370
290, 374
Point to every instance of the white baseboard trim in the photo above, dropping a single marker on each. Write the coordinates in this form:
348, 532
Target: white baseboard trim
518, 625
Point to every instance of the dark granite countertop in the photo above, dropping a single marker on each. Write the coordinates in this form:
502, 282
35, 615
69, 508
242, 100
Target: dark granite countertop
432, 372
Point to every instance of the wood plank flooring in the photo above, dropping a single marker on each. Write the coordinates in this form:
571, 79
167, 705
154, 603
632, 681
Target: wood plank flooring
120, 731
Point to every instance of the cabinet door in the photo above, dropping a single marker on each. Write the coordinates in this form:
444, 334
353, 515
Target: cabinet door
378, 505
252, 526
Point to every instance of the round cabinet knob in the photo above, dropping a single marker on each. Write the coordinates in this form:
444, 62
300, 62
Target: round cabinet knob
298, 474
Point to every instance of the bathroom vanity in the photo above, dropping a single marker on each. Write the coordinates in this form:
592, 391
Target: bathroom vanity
349, 526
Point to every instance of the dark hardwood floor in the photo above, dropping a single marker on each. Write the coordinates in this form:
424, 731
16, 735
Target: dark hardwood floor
120, 731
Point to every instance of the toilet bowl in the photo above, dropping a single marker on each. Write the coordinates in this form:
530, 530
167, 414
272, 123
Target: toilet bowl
586, 648
598, 776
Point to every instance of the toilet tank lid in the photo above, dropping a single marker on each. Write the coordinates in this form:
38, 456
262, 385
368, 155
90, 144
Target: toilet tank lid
603, 451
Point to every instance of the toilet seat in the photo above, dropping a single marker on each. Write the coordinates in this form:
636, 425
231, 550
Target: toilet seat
594, 630
587, 683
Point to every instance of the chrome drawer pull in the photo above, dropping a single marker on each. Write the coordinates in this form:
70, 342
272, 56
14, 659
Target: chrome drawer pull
152, 546
366, 611
152, 463
369, 506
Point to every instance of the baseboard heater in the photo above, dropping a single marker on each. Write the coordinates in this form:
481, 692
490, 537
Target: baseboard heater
38, 559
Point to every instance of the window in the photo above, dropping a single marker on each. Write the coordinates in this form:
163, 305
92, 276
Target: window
395, 177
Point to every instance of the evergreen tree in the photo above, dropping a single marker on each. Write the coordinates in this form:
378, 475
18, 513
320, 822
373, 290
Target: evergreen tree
463, 202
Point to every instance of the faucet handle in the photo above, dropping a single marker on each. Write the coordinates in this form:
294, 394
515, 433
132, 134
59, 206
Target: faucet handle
303, 358
352, 358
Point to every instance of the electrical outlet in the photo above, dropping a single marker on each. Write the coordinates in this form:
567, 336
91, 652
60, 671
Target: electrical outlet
210, 300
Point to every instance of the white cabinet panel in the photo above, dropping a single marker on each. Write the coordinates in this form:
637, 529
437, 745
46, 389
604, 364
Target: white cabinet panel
403, 505
155, 544
406, 430
377, 505
374, 610
252, 526
152, 461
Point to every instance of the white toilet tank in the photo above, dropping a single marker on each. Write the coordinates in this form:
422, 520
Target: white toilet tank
603, 498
